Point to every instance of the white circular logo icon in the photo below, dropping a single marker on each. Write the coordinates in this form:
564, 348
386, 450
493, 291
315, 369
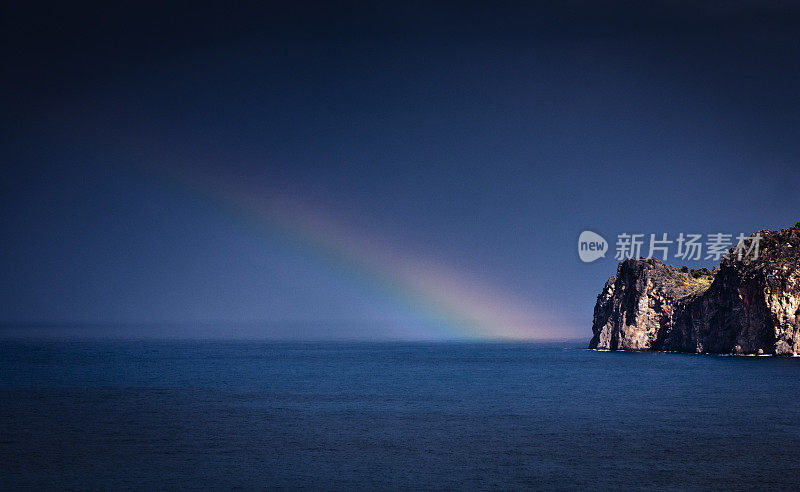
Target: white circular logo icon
591, 246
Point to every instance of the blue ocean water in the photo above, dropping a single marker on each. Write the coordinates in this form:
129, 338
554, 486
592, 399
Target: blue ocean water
343, 416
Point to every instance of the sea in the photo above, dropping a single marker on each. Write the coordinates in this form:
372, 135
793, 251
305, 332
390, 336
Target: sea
211, 414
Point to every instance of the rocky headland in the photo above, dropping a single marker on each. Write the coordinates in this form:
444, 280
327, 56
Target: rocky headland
745, 306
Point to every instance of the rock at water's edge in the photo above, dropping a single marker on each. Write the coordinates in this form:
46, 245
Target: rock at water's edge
746, 306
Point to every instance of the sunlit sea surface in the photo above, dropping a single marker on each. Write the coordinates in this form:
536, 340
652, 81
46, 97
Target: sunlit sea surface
343, 416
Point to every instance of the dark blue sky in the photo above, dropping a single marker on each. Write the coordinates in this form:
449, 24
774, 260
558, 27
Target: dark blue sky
483, 138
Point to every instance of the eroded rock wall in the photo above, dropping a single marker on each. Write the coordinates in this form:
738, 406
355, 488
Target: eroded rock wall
746, 306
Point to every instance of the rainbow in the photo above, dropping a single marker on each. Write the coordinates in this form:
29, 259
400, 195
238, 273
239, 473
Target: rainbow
449, 304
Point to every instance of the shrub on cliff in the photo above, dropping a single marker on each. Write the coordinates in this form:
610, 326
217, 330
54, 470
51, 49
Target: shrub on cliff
700, 272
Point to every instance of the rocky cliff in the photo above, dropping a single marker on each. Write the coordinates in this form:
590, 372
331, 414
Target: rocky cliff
746, 306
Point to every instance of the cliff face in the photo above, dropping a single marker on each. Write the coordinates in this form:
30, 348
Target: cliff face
745, 306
